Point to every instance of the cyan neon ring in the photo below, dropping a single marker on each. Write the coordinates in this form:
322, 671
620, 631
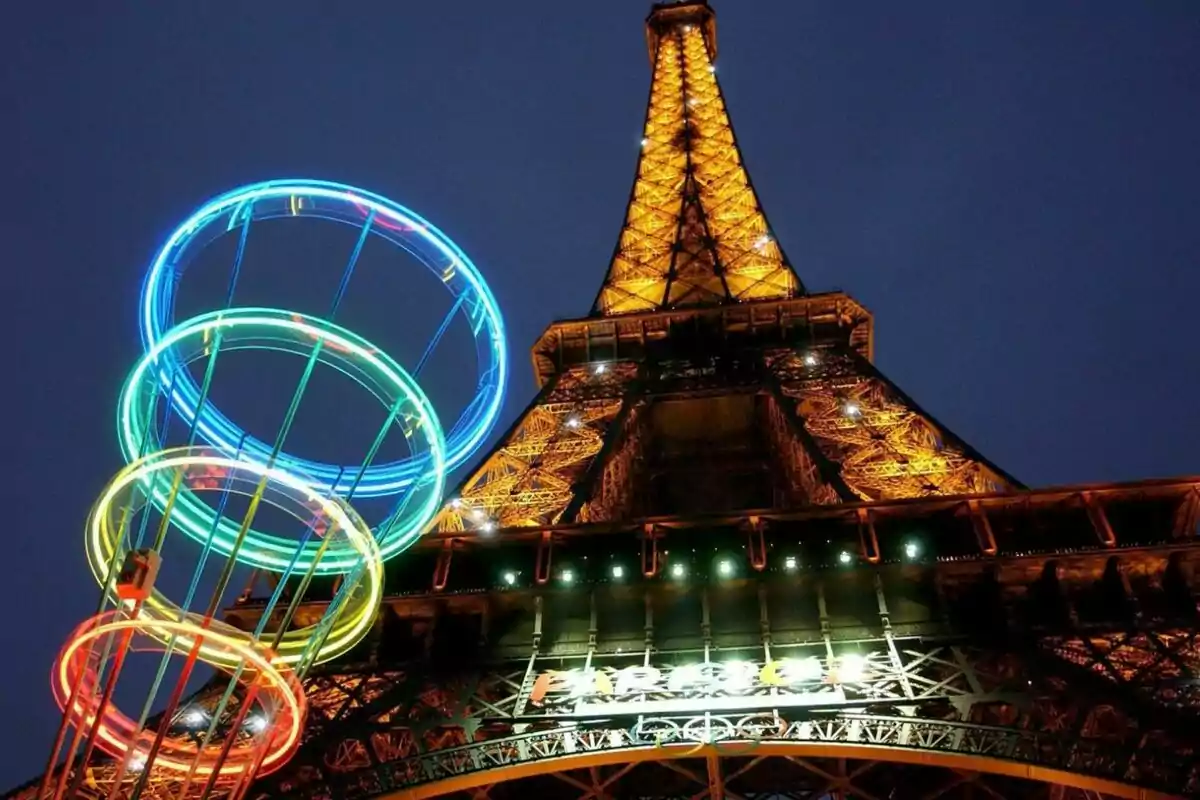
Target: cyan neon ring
342, 530
388, 220
265, 328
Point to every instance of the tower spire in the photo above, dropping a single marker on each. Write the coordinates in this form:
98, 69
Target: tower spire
694, 232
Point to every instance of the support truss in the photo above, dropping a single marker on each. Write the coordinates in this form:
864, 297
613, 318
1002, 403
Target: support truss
883, 444
808, 477
535, 472
1163, 667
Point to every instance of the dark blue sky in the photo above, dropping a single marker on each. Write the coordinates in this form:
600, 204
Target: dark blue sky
1009, 186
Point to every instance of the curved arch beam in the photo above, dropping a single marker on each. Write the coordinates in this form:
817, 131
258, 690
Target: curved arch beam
525, 763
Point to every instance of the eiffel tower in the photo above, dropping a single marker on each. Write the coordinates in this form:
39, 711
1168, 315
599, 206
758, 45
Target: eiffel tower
721, 555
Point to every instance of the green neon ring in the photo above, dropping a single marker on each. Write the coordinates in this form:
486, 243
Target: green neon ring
106, 542
289, 332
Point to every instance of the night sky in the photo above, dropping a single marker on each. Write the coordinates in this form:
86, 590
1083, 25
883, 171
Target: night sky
1009, 186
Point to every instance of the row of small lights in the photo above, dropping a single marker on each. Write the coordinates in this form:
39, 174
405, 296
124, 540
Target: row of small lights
725, 567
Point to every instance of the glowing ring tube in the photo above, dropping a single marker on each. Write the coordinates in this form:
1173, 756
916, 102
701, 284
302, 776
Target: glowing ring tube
282, 698
263, 328
391, 222
285, 491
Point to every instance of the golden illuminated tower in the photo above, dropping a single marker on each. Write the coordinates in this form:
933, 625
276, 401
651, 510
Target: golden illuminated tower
699, 291
722, 555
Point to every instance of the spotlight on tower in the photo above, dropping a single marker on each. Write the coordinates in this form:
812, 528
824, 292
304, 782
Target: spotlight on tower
194, 718
851, 668
256, 723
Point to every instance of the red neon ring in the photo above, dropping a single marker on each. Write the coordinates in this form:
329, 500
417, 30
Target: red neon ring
282, 697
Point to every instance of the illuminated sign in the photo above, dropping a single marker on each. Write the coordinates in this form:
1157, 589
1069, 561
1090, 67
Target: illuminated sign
724, 686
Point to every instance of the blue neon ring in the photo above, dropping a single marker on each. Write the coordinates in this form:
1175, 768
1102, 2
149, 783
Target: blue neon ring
392, 222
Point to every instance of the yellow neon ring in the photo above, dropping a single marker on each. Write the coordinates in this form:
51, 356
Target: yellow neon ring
105, 534
118, 734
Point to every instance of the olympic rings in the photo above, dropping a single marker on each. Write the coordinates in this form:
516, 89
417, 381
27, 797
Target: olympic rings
384, 218
263, 328
338, 542
280, 696
283, 490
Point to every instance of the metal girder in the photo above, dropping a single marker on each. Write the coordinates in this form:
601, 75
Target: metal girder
531, 476
884, 446
760, 777
988, 748
606, 483
806, 467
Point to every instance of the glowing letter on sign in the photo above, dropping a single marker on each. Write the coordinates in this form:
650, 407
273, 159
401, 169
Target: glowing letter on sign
637, 679
739, 676
690, 676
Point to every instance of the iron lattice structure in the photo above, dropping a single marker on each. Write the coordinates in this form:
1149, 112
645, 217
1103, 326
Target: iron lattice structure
694, 231
715, 485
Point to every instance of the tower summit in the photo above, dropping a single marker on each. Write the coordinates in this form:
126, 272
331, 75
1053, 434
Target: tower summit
694, 231
722, 555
